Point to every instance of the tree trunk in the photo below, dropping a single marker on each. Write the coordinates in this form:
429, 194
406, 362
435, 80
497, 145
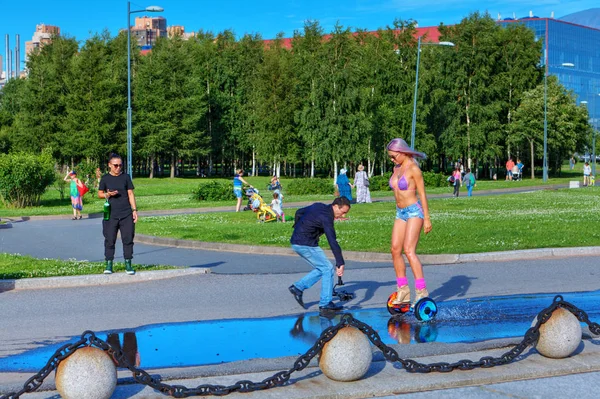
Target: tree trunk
152, 158
335, 172
532, 159
173, 163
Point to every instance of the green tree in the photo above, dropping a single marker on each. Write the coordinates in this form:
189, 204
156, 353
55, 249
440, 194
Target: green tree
169, 102
91, 112
43, 106
567, 130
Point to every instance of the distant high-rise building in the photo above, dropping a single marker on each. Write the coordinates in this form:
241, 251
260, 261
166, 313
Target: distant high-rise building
43, 35
147, 30
573, 55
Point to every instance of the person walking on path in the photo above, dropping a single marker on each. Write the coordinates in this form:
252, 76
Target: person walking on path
238, 182
361, 181
412, 214
587, 172
77, 189
469, 180
343, 185
310, 224
457, 181
117, 188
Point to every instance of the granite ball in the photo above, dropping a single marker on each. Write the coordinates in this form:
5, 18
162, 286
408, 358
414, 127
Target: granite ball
347, 357
88, 373
560, 335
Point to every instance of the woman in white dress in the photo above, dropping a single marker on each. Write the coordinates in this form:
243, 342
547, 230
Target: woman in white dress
361, 181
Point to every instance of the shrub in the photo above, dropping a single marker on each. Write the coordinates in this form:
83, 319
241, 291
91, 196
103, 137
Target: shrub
86, 172
432, 179
60, 184
380, 183
24, 178
309, 186
213, 191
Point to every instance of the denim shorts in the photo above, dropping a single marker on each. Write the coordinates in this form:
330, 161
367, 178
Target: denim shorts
238, 192
412, 211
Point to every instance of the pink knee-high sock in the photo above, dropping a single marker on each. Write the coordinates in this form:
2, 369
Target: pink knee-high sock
420, 284
401, 281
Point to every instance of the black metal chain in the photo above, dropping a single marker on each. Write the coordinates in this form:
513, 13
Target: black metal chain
88, 338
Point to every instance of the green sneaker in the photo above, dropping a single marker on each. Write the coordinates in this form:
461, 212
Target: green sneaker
128, 267
108, 268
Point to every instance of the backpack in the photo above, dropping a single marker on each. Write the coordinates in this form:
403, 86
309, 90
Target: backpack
472, 180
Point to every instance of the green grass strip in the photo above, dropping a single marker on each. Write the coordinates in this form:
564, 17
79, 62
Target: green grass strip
19, 266
540, 219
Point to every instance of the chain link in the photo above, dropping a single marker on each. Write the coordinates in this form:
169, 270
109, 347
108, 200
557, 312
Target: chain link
88, 338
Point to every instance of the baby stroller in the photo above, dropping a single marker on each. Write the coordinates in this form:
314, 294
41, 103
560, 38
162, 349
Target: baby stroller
517, 173
264, 213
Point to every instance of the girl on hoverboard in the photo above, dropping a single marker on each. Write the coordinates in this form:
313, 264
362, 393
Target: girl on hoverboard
412, 215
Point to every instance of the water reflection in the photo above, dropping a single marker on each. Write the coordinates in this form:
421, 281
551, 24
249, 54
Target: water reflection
129, 347
405, 332
219, 341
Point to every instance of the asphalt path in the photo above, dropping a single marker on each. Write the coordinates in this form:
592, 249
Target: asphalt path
83, 240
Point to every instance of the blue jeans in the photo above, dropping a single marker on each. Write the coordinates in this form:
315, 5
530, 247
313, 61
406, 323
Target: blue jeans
322, 269
470, 190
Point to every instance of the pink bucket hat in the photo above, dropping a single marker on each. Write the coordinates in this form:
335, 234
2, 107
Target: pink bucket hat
399, 145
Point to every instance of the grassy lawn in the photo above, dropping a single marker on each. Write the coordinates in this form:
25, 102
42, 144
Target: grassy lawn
165, 194
18, 266
541, 219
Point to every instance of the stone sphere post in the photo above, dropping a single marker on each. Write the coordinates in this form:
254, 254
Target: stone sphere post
88, 373
347, 357
560, 335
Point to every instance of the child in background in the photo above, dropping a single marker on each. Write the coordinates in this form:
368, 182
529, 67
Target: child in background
276, 206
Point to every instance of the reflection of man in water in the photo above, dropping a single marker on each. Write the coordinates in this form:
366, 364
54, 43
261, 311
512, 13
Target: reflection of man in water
325, 321
129, 347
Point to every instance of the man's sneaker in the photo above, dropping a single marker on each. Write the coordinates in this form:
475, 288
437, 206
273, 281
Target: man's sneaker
108, 267
402, 295
297, 293
420, 294
331, 307
128, 267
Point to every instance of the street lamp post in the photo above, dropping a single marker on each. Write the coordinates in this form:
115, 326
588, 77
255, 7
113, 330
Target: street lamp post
413, 127
545, 159
129, 149
593, 120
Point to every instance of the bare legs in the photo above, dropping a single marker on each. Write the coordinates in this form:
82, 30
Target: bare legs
239, 204
405, 237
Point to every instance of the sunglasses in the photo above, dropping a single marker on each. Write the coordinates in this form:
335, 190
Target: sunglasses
117, 165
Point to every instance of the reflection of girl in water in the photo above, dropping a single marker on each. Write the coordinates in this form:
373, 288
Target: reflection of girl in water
129, 348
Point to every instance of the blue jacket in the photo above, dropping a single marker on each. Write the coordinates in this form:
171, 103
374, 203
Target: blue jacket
311, 223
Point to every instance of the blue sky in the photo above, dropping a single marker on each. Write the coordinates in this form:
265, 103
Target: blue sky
82, 18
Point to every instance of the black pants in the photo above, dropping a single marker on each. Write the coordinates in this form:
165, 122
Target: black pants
456, 189
127, 229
